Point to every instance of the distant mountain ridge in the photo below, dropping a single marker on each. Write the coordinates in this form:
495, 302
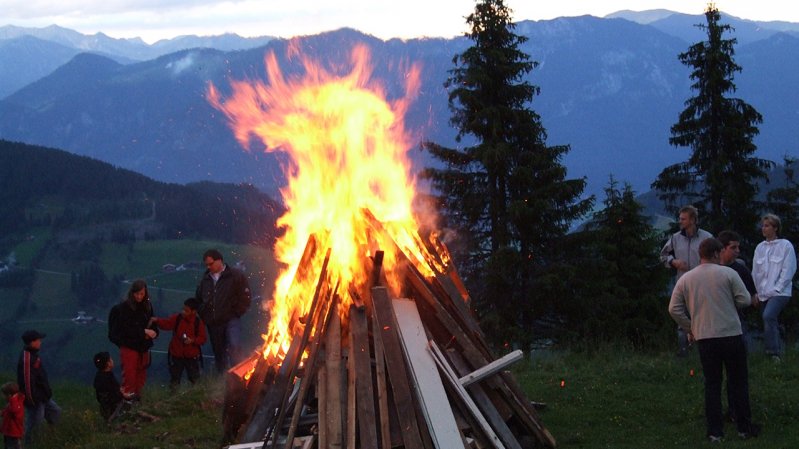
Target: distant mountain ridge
611, 88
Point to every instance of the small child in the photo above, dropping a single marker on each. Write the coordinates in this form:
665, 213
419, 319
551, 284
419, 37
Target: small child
106, 386
13, 416
188, 336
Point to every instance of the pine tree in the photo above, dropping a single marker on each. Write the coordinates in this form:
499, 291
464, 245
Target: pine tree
783, 201
504, 192
720, 177
621, 273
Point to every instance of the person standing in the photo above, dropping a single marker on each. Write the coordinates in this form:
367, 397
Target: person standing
773, 270
731, 241
681, 253
704, 303
185, 347
129, 328
225, 295
13, 416
32, 380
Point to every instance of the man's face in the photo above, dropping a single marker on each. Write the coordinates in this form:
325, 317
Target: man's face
36, 344
213, 265
730, 252
686, 221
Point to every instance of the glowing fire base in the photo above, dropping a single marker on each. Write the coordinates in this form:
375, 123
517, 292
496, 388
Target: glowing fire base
353, 369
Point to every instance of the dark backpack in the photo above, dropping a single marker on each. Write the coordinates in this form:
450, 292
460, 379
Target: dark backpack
113, 326
178, 319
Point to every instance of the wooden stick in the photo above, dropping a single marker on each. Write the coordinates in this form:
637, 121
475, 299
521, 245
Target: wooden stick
322, 280
452, 378
310, 367
387, 326
491, 368
382, 394
351, 405
365, 400
333, 405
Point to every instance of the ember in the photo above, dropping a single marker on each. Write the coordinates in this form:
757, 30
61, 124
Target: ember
345, 363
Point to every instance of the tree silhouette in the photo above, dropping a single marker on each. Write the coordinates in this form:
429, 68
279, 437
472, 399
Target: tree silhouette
505, 191
720, 176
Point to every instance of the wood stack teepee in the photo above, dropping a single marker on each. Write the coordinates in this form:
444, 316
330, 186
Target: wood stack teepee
365, 370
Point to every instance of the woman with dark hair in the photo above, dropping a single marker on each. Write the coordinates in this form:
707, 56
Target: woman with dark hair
130, 329
773, 270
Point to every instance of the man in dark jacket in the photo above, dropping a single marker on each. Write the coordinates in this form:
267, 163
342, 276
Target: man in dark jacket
225, 295
32, 380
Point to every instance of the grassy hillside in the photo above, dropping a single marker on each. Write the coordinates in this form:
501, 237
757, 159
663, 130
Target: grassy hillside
610, 398
49, 304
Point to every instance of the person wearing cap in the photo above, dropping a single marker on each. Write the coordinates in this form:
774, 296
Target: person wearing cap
185, 352
32, 380
130, 328
106, 387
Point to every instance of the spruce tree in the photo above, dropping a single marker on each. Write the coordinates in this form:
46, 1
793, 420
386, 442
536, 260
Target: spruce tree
504, 191
621, 273
720, 176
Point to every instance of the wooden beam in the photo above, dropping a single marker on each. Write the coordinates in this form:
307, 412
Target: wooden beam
491, 368
310, 365
397, 374
333, 405
429, 389
452, 379
380, 375
367, 426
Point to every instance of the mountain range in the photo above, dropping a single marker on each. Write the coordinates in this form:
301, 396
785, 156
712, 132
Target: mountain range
610, 87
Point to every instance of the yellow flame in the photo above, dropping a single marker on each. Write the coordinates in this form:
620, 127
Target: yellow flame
348, 152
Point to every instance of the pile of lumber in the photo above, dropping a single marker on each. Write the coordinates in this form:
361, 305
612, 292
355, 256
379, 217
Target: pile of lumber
382, 365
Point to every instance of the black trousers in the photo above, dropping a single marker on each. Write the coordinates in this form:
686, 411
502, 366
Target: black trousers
718, 355
176, 367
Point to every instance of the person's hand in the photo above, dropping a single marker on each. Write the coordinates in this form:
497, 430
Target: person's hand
691, 338
755, 301
150, 333
188, 340
680, 265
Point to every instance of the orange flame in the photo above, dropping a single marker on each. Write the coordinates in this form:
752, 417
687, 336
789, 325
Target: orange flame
348, 153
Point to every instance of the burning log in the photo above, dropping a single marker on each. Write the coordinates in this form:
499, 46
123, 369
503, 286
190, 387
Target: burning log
387, 400
338, 369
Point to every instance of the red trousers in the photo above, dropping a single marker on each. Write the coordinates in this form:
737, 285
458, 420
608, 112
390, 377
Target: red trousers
134, 369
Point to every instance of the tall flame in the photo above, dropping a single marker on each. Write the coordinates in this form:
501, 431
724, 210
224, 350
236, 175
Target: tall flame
348, 152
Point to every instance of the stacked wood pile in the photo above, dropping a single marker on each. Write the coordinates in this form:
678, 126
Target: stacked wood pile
384, 373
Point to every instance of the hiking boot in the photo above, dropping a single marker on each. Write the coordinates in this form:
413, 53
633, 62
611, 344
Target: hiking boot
754, 430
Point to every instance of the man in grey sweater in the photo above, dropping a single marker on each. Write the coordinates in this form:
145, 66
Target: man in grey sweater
704, 303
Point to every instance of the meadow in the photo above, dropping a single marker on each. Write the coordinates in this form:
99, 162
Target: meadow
608, 397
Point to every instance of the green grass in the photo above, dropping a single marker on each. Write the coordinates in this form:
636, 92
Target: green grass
611, 398
190, 418
614, 398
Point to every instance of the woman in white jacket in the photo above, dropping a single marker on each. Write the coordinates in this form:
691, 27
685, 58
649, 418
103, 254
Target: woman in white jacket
773, 270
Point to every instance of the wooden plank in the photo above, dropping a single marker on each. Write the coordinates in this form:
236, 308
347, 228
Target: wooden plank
482, 398
491, 368
322, 282
526, 410
310, 365
452, 379
321, 399
382, 393
429, 389
352, 414
403, 400
365, 400
333, 406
